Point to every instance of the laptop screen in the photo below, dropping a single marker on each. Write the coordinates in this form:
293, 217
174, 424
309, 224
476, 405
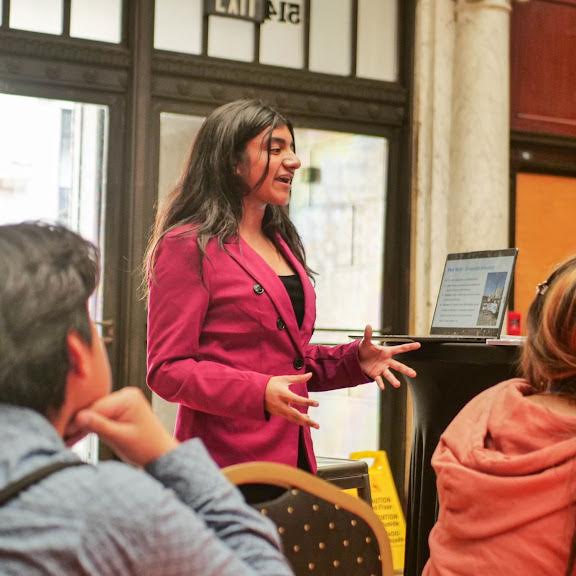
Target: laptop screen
474, 293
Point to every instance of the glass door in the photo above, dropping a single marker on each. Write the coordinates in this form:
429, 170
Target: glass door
338, 206
53, 168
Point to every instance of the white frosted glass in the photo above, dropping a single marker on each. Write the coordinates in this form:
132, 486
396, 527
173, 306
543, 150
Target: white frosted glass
37, 15
330, 36
338, 208
96, 20
377, 50
178, 26
339, 413
230, 38
177, 134
282, 42
338, 213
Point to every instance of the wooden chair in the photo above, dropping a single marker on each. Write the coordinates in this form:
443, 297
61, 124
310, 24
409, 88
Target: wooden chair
324, 531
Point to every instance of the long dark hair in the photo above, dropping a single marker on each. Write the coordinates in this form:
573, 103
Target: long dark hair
549, 355
210, 193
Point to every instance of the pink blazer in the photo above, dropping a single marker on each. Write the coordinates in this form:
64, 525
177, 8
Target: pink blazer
216, 338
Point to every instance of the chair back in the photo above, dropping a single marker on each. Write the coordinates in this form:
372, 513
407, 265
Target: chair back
324, 531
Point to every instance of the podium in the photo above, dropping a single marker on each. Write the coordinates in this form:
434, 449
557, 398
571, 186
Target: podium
449, 376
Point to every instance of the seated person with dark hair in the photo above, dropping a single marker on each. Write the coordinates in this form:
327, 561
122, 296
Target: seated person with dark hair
179, 516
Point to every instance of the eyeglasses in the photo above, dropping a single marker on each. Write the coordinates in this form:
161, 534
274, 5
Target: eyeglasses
542, 288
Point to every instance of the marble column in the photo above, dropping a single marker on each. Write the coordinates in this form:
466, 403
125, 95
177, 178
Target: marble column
461, 145
480, 141
434, 61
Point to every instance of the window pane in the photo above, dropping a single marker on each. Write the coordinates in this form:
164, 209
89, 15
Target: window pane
96, 20
178, 26
330, 36
52, 168
37, 15
338, 206
230, 38
377, 54
177, 133
282, 36
52, 156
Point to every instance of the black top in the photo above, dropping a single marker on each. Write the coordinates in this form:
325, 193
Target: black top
296, 292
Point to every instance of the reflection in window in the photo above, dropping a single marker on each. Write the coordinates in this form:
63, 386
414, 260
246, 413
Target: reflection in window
96, 20
377, 53
282, 34
37, 15
230, 38
178, 26
330, 36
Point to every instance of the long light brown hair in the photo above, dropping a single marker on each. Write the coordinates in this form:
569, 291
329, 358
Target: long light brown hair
549, 354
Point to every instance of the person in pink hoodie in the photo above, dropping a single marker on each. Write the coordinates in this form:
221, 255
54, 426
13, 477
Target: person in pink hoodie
506, 465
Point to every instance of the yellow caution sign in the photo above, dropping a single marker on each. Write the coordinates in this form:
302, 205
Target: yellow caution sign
386, 503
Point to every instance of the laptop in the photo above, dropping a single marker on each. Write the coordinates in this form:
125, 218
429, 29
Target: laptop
472, 299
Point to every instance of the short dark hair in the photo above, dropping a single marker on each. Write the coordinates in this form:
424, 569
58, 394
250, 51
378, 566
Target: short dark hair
47, 274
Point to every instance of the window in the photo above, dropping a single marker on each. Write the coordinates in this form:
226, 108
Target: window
338, 206
52, 168
282, 35
37, 15
178, 26
97, 20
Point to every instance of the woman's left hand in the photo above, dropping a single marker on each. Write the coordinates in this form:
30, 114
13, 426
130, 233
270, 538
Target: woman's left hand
376, 361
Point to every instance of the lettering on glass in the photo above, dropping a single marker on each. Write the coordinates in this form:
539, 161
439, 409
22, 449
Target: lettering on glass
283, 11
253, 10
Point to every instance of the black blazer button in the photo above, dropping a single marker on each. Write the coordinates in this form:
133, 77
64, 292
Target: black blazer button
298, 364
280, 324
258, 289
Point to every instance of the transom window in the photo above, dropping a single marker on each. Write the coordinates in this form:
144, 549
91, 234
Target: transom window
355, 38
101, 20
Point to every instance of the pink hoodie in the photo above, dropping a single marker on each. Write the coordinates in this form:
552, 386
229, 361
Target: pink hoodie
506, 478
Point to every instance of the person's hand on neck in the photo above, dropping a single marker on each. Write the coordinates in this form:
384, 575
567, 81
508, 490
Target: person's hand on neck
125, 421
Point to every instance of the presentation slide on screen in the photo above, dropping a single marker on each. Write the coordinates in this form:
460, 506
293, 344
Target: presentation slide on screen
472, 291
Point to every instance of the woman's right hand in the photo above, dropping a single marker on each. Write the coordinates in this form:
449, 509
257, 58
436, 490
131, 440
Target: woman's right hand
279, 399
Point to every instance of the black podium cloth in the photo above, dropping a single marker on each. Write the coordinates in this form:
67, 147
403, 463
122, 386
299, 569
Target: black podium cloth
449, 376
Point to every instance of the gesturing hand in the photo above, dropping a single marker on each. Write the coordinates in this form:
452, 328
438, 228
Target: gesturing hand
376, 360
125, 421
279, 399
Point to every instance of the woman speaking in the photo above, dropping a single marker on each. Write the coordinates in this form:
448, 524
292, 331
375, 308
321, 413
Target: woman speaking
231, 307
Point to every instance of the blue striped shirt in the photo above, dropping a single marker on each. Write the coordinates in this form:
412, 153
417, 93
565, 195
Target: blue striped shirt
181, 517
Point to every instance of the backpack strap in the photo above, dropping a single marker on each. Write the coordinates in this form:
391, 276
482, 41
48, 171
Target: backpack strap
14, 488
